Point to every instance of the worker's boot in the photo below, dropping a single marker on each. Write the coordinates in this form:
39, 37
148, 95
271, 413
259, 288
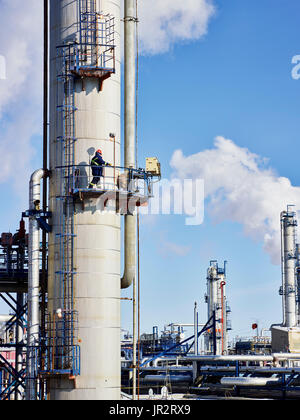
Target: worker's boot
101, 184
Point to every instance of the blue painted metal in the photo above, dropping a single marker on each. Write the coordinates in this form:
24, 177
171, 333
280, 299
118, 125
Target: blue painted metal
138, 181
60, 356
210, 324
14, 378
41, 217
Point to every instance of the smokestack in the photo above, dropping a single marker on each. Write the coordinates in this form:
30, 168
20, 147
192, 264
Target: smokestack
130, 223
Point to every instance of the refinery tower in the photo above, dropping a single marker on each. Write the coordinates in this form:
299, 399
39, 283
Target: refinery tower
84, 246
79, 354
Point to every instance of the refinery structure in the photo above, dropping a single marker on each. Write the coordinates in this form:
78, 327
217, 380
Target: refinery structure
62, 278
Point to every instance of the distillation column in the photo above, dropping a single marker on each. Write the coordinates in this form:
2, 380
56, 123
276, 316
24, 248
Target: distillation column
217, 304
95, 259
212, 303
288, 226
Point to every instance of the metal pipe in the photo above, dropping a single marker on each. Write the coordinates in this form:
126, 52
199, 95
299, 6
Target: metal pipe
130, 222
184, 325
162, 378
5, 318
196, 329
223, 315
130, 232
19, 340
248, 381
130, 228
298, 282
139, 306
164, 360
45, 180
33, 282
130, 81
244, 358
282, 266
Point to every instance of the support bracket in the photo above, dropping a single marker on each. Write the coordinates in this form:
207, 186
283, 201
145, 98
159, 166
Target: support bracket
41, 217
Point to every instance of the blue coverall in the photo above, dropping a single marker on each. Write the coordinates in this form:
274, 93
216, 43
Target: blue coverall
97, 164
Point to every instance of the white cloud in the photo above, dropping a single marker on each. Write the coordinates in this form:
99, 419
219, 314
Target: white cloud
241, 187
169, 249
21, 46
166, 22
21, 91
163, 22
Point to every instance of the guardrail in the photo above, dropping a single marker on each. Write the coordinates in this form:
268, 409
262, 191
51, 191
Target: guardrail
84, 178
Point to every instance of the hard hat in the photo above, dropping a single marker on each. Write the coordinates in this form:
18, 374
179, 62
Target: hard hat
99, 151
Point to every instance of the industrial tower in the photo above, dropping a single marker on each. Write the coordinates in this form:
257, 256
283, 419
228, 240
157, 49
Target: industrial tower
72, 312
218, 309
286, 336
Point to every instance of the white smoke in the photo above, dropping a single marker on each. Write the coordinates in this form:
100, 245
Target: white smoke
241, 187
170, 249
162, 23
166, 22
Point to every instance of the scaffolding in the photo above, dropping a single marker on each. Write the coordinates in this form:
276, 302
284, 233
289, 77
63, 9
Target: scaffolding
61, 355
13, 285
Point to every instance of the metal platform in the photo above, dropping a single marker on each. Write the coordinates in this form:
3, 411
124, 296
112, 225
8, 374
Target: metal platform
15, 283
124, 201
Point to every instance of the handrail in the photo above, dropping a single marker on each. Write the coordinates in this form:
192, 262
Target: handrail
114, 178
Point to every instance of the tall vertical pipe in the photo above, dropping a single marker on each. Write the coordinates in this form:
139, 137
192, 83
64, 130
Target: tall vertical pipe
130, 229
130, 223
19, 340
33, 283
45, 180
282, 266
223, 315
130, 82
196, 342
298, 282
212, 296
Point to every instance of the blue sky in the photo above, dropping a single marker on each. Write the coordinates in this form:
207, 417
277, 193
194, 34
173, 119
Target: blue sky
235, 82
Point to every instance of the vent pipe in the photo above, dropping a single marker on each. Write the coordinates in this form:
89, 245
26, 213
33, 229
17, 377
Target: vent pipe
130, 223
33, 283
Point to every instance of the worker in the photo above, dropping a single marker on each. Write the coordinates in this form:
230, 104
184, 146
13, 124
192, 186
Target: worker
97, 164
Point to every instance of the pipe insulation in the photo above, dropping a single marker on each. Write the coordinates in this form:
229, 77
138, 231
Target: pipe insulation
130, 222
243, 358
33, 282
246, 381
